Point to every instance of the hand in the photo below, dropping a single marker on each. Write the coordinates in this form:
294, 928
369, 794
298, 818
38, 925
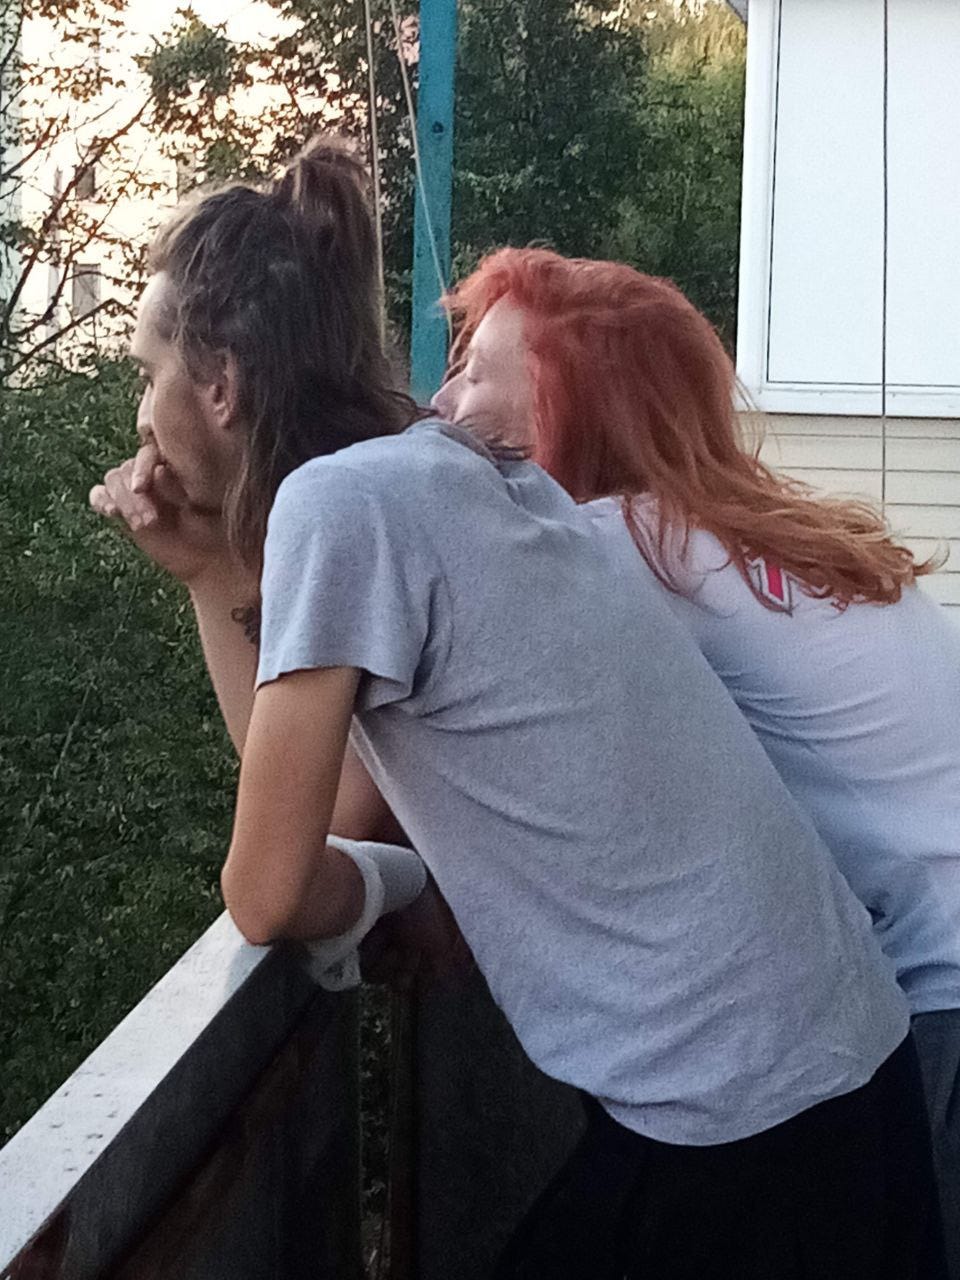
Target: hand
423, 940
145, 494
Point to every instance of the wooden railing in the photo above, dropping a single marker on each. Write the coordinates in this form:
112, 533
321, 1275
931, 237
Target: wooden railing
214, 1135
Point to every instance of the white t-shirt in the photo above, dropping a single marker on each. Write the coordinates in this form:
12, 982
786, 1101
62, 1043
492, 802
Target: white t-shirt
860, 712
651, 909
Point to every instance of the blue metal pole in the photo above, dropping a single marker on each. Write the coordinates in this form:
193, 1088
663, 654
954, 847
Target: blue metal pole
431, 254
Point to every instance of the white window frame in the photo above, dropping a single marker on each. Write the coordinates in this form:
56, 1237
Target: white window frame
756, 246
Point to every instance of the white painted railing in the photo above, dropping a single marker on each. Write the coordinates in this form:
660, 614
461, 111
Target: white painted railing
212, 1134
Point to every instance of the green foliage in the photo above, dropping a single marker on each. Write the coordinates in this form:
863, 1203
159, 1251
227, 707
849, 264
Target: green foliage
547, 132
320, 63
116, 778
375, 1119
616, 138
683, 218
198, 60
598, 128
323, 64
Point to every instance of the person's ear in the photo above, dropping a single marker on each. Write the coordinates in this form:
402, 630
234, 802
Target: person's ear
221, 392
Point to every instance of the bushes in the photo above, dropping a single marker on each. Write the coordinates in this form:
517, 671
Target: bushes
116, 776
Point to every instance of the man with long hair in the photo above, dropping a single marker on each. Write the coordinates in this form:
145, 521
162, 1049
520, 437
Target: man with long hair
658, 921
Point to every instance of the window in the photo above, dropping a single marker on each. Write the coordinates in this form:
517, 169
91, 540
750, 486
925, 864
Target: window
86, 181
850, 263
85, 288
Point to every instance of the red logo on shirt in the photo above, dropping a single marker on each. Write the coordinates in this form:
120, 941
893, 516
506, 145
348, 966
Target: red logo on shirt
772, 583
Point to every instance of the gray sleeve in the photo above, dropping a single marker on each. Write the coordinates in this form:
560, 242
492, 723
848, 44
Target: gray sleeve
346, 583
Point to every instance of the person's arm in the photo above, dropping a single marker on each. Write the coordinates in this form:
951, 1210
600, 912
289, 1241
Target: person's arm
192, 546
361, 813
226, 604
281, 879
229, 633
286, 876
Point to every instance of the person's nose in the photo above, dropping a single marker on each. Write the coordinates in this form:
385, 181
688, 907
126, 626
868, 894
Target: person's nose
444, 403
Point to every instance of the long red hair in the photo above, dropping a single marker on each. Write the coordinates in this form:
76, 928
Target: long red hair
633, 393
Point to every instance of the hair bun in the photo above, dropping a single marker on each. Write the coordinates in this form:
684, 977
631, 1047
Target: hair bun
326, 187
325, 157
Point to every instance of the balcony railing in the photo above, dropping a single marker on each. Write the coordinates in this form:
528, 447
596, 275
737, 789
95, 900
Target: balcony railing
214, 1135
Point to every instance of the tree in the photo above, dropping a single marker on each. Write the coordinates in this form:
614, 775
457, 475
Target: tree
597, 127
547, 128
55, 89
605, 130
548, 131
319, 69
682, 219
75, 96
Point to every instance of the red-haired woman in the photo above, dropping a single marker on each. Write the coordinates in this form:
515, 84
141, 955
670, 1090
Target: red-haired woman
805, 606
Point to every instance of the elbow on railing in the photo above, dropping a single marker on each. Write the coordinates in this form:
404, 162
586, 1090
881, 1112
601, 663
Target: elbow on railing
260, 922
255, 928
251, 925
323, 903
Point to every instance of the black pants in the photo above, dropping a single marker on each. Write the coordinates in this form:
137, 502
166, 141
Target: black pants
938, 1045
843, 1191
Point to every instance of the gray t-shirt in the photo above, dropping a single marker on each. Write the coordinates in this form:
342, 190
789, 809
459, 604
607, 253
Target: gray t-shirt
650, 908
859, 710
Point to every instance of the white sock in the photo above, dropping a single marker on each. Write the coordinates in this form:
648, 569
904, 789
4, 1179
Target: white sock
392, 878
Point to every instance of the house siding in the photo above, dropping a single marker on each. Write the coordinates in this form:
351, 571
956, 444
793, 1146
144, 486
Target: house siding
911, 467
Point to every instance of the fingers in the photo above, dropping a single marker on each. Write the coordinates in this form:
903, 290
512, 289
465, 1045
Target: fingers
137, 510
101, 502
148, 457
